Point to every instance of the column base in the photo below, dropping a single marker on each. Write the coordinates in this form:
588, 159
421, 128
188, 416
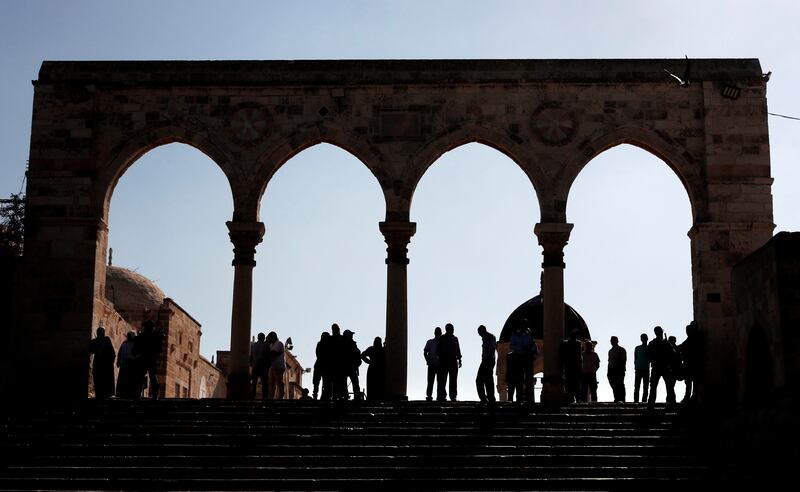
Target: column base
553, 392
239, 387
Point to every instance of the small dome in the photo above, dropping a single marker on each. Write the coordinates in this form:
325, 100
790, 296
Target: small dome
533, 310
130, 291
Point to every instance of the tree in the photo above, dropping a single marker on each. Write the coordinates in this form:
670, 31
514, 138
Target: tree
12, 225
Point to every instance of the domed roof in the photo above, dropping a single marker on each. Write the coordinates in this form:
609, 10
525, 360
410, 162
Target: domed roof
130, 291
533, 311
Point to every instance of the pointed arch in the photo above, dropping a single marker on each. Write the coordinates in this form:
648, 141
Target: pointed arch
419, 163
679, 160
287, 147
131, 150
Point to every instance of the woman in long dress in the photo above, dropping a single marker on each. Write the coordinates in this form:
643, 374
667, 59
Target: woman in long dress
375, 356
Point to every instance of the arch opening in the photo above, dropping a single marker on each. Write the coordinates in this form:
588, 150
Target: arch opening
629, 247
168, 261
322, 260
474, 257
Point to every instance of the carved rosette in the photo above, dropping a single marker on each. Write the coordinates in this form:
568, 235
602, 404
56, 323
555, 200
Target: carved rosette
553, 125
249, 123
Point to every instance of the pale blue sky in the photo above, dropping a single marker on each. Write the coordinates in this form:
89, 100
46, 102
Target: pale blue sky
474, 258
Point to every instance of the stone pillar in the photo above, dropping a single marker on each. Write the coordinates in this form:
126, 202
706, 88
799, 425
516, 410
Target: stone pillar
245, 236
553, 237
397, 235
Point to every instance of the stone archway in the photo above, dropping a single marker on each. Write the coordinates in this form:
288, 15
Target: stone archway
91, 118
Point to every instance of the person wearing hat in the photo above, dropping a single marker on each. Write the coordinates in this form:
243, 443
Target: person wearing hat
352, 359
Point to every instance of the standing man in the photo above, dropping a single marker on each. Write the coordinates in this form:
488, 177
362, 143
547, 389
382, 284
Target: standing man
692, 359
431, 353
449, 362
522, 353
485, 379
659, 351
352, 356
641, 364
103, 364
277, 366
259, 366
617, 359
572, 365
148, 345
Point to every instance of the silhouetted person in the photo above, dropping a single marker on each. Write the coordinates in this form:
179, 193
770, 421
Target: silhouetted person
692, 360
259, 365
617, 360
431, 353
641, 364
103, 364
336, 369
676, 363
375, 356
522, 351
322, 366
449, 362
485, 378
352, 359
128, 384
277, 367
572, 365
659, 351
148, 345
305, 395
591, 364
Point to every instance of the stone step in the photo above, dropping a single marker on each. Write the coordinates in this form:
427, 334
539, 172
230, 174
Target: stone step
407, 483
292, 459
434, 470
355, 450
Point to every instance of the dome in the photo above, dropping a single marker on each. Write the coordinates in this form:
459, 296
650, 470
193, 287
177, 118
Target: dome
533, 310
130, 291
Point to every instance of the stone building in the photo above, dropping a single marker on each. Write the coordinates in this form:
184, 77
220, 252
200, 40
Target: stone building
92, 120
130, 299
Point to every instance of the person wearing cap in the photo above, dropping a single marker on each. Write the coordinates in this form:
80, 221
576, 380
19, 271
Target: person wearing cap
352, 359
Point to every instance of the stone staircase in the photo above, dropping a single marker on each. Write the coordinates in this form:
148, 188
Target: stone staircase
307, 445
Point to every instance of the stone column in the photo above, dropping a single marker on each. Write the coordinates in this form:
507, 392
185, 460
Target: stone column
245, 236
397, 235
553, 237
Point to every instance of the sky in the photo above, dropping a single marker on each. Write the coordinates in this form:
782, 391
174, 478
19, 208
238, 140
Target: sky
474, 257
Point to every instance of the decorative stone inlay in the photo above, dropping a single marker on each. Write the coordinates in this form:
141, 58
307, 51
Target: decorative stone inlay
553, 124
249, 123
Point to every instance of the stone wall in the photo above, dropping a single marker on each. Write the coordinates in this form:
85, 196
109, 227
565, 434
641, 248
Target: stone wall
766, 286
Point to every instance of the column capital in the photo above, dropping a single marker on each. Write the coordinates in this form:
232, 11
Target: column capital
553, 236
245, 236
397, 234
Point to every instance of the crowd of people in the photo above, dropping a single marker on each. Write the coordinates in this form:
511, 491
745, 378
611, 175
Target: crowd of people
137, 360
659, 359
338, 359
